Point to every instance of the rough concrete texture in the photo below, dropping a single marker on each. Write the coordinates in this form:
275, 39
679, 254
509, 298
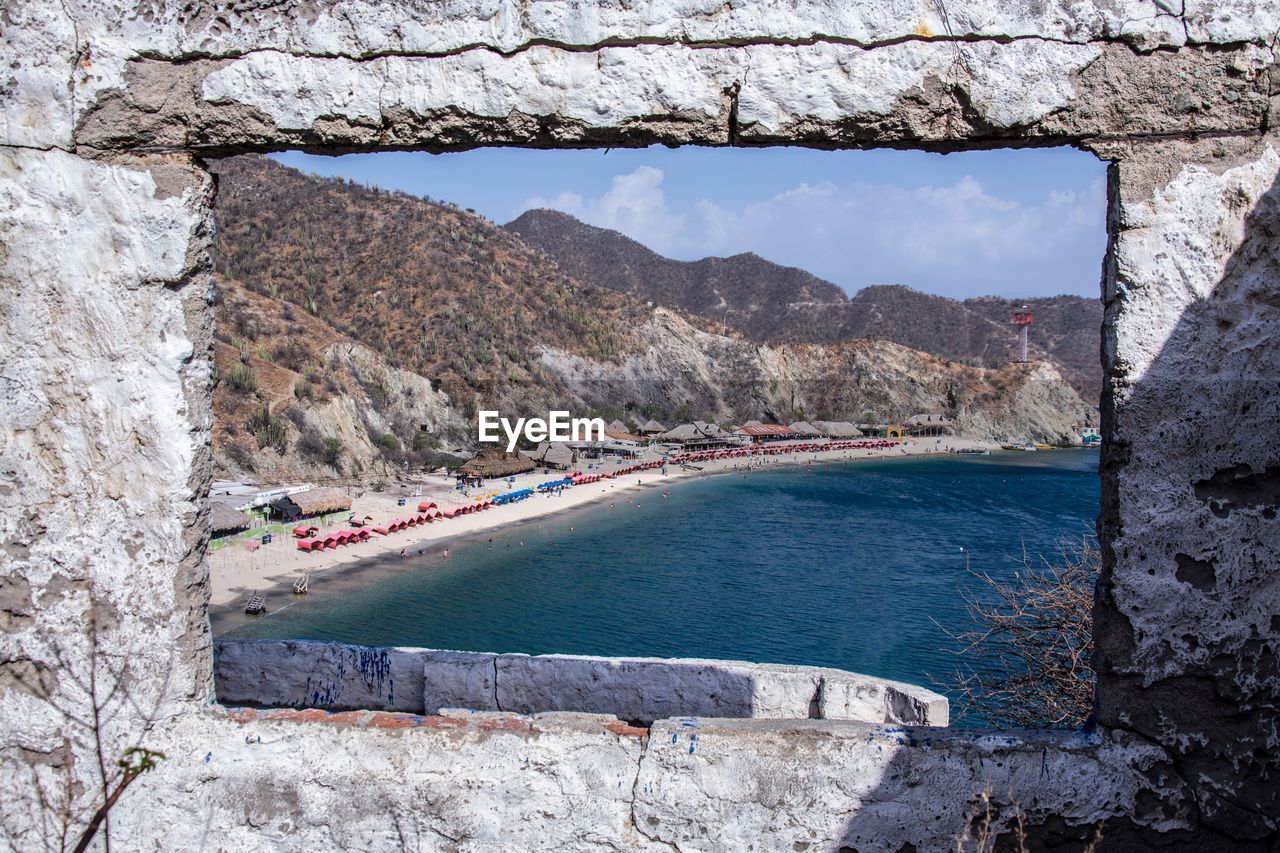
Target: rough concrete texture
1187, 621
169, 75
313, 780
104, 412
103, 459
334, 676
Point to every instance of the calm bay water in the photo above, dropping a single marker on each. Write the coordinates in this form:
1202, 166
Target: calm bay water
845, 565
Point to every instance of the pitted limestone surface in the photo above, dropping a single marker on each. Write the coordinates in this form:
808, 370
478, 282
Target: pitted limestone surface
105, 415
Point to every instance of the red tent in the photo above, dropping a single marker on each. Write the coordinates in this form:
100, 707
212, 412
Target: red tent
310, 545
426, 505
381, 530
304, 531
449, 514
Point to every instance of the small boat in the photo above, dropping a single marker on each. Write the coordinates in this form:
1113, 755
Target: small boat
979, 451
1029, 448
1046, 447
256, 604
300, 585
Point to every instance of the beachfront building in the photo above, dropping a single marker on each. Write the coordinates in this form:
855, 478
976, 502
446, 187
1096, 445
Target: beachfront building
896, 431
839, 429
617, 432
929, 424
491, 463
557, 455
804, 429
311, 503
609, 447
698, 435
650, 429
758, 433
225, 520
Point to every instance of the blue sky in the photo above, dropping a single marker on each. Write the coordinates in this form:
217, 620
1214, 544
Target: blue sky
1011, 223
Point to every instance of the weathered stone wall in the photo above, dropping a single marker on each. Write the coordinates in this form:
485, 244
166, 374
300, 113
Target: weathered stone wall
335, 676
104, 401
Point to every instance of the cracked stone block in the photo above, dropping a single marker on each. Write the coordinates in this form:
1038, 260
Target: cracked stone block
458, 680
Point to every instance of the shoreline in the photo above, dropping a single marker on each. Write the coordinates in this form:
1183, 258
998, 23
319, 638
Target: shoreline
274, 573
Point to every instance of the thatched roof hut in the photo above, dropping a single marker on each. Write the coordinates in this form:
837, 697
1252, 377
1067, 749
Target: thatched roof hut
624, 436
929, 424
698, 430
491, 462
223, 519
312, 502
651, 428
806, 429
550, 454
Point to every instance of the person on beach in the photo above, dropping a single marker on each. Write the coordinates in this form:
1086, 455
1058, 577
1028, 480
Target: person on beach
445, 556
403, 552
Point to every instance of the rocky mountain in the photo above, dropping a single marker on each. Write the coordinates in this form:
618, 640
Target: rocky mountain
433, 289
358, 331
770, 303
730, 379
296, 399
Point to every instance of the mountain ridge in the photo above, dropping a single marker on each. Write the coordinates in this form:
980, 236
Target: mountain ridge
773, 303
358, 331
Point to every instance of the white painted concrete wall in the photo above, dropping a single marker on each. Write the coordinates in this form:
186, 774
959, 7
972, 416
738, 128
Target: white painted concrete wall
334, 676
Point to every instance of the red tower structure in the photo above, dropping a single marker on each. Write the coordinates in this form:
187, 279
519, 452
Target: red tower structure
1022, 319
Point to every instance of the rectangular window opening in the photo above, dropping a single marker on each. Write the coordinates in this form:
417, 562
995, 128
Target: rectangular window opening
843, 414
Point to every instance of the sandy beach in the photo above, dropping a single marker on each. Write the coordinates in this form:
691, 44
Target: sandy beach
237, 569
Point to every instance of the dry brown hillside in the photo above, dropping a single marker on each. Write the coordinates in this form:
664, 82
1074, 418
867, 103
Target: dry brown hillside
296, 399
433, 288
358, 331
776, 304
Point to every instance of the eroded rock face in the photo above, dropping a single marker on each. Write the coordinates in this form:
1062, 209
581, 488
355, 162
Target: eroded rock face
1186, 612
104, 400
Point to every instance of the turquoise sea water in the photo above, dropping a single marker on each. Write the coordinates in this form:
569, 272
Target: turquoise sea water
846, 565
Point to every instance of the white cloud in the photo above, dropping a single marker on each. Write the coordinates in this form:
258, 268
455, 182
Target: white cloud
634, 204
958, 239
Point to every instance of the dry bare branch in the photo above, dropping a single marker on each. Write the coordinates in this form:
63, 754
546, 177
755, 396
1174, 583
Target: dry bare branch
1026, 663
